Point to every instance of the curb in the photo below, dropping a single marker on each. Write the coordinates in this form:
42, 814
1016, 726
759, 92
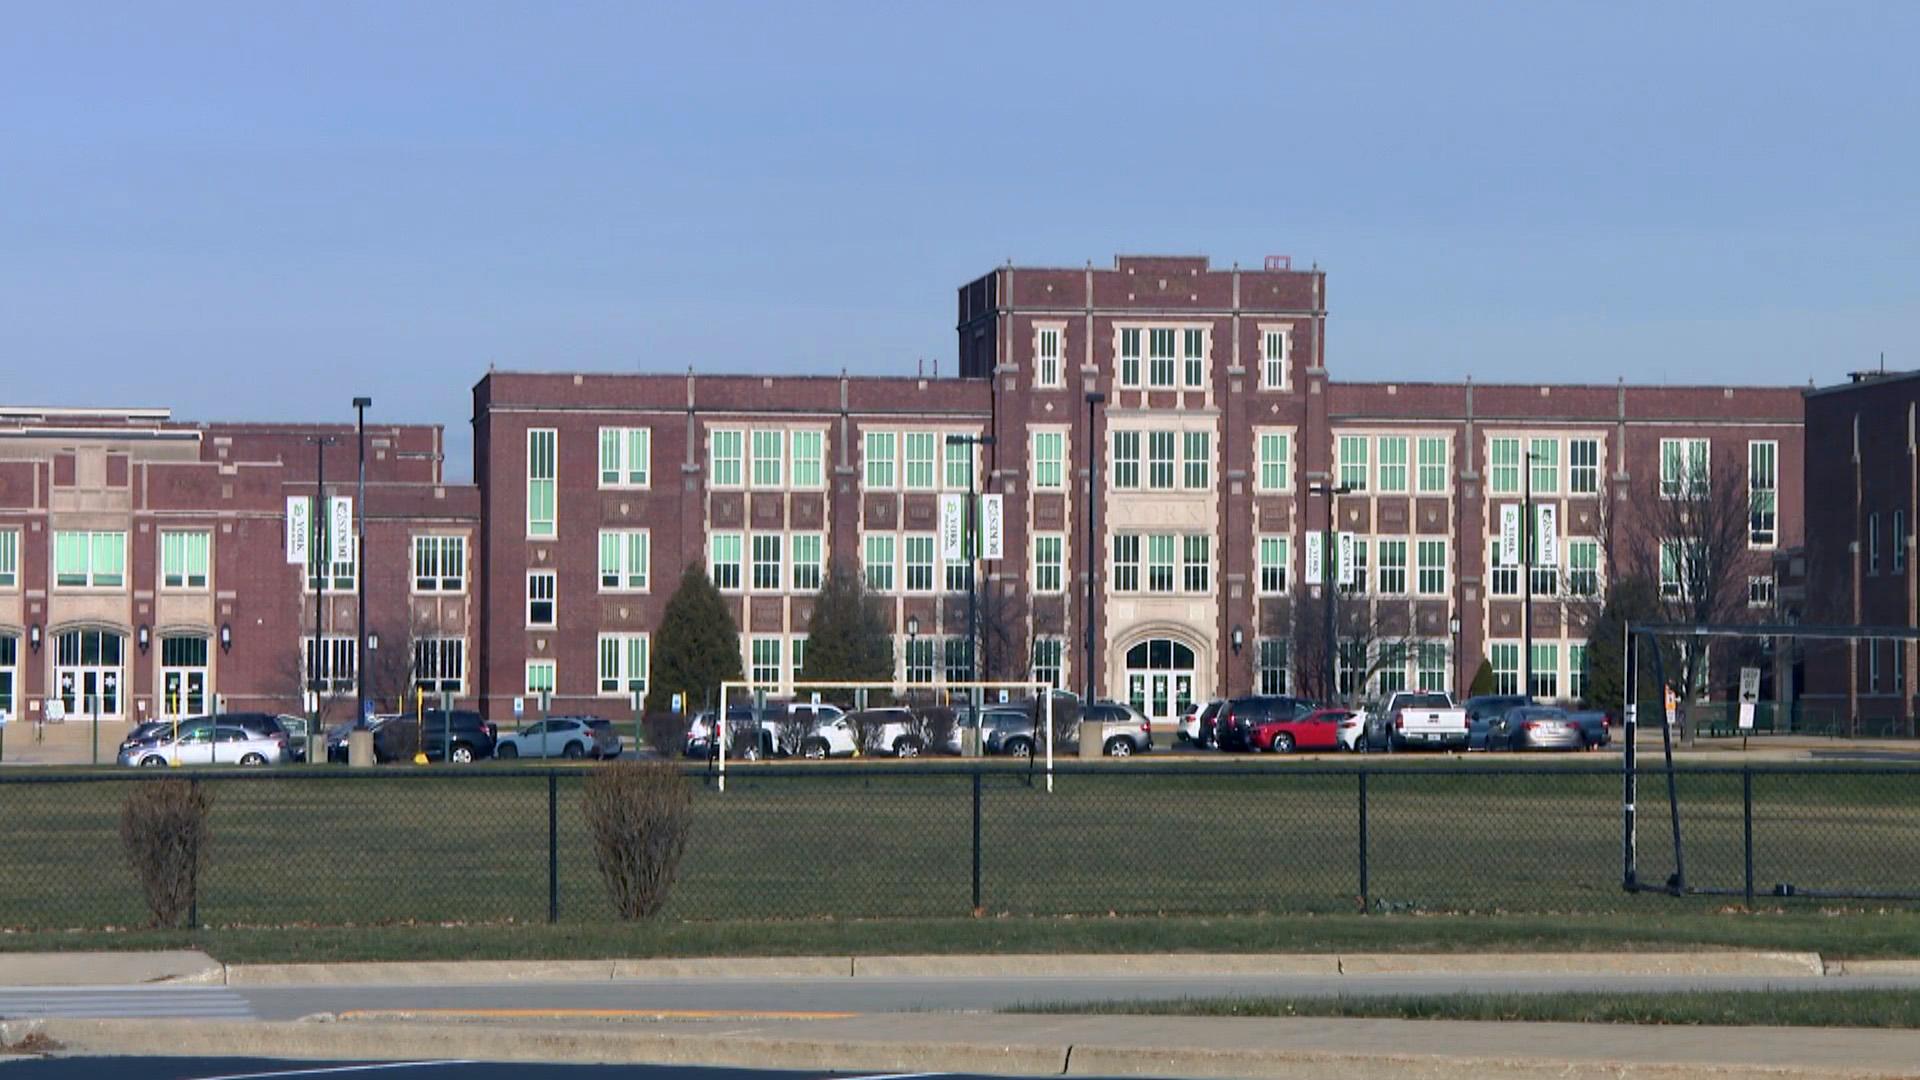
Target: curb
184, 967
1783, 964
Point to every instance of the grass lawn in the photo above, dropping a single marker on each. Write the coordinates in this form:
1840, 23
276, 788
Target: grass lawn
1776, 1008
1848, 936
795, 846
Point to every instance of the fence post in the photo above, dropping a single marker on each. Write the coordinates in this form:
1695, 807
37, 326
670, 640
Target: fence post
553, 846
1365, 901
193, 874
976, 838
1746, 801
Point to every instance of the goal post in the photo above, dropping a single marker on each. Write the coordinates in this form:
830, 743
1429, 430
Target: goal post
977, 696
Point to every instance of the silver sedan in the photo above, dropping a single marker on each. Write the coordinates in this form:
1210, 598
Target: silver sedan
1535, 727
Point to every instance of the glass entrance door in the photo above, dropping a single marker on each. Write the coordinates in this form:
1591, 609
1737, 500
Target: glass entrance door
1160, 678
87, 673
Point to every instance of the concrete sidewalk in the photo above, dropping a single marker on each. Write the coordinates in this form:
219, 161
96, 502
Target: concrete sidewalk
1283, 1049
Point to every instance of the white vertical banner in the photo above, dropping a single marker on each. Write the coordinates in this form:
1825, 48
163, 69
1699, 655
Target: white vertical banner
993, 527
340, 527
1344, 559
1547, 535
1310, 568
1510, 535
299, 529
953, 527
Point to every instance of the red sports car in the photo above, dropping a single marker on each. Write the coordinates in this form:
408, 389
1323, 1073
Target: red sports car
1318, 730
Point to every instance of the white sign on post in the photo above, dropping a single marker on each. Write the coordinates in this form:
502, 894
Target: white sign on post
1547, 541
299, 529
1510, 536
1314, 559
953, 527
1749, 695
340, 527
993, 527
519, 707
1344, 557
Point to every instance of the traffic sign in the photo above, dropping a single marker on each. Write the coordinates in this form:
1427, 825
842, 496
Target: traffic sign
1749, 695
519, 707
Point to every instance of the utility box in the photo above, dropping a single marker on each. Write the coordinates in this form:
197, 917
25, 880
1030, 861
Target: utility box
1090, 732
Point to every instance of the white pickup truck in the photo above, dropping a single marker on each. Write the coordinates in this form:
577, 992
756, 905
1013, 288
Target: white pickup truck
1422, 718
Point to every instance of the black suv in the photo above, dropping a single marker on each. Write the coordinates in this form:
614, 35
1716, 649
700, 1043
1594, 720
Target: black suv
1483, 710
472, 736
1233, 729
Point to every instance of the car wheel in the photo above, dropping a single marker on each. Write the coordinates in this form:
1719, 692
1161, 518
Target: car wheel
1019, 748
1119, 747
462, 754
253, 759
814, 750
152, 761
506, 750
1283, 743
906, 746
574, 750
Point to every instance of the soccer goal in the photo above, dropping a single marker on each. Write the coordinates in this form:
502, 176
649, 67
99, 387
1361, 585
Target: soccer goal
1829, 819
818, 720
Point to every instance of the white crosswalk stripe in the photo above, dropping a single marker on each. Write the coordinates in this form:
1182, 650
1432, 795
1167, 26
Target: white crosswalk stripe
83, 1002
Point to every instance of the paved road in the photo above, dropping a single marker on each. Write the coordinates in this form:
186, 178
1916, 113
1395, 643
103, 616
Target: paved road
132, 1068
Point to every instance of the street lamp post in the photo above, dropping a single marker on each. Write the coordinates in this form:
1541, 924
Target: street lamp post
1094, 400
1526, 572
360, 748
317, 528
972, 542
1329, 567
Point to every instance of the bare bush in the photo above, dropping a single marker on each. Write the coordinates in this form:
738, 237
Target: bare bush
791, 729
934, 725
666, 732
638, 814
163, 826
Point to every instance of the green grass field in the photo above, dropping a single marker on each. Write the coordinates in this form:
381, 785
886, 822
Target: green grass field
405, 847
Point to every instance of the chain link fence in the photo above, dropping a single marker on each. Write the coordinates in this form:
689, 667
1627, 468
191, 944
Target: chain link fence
783, 842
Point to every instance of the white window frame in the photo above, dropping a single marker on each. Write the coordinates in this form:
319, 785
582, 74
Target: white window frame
737, 562
1193, 357
1506, 676
1170, 358
1420, 465
878, 470
1583, 478
802, 571
618, 646
1196, 572
807, 471
1276, 364
775, 463
336, 652
1503, 478
1196, 470
1539, 448
1264, 441
1049, 470
1049, 660
1422, 545
623, 542
1683, 483
1382, 567
551, 596
550, 684
1273, 557
1352, 467
1129, 348
882, 573
1049, 363
1125, 557
766, 574
543, 476
766, 653
9, 558
94, 540
727, 457
1767, 536
627, 453
924, 543
436, 549
436, 650
930, 441
1760, 591
1049, 562
1157, 462
1591, 546
1126, 459
1395, 477
185, 538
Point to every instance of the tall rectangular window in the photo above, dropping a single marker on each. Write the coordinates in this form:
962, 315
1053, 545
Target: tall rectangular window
1430, 557
1049, 559
728, 454
768, 563
959, 465
1196, 567
1430, 662
1583, 466
90, 560
765, 670
1544, 461
1503, 472
326, 569
1546, 671
1393, 566
1197, 460
808, 561
878, 550
1760, 591
1505, 657
809, 459
9, 558
1763, 494
723, 560
1049, 460
769, 458
1194, 358
1676, 570
919, 660
1393, 464
334, 665
879, 460
439, 564
1126, 562
624, 560
1353, 462
1683, 468
623, 664
1433, 464
1048, 655
1160, 460
542, 603
1130, 357
1359, 585
1273, 565
439, 664
1273, 360
919, 562
957, 660
1390, 668
9, 665
543, 471
959, 575
920, 457
1577, 671
1047, 358
626, 457
543, 676
1273, 461
1160, 359
183, 559
1126, 460
1583, 567
1273, 666
1160, 563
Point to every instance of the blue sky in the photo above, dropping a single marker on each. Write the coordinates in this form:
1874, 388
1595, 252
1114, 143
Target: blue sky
260, 210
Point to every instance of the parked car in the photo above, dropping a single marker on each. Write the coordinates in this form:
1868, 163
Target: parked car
1317, 730
1425, 718
1595, 726
1239, 717
339, 734
1008, 732
893, 730
560, 736
1123, 729
1353, 729
1196, 723
1535, 727
1483, 709
606, 735
217, 744
263, 725
749, 738
471, 736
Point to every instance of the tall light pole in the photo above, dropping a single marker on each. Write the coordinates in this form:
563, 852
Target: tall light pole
972, 541
1329, 571
316, 522
1526, 572
360, 405
1094, 400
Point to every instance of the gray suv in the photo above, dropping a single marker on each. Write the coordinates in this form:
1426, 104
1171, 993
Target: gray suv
1124, 730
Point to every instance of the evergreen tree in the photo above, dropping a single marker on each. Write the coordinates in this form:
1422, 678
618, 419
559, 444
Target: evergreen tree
1482, 680
1629, 599
697, 646
849, 637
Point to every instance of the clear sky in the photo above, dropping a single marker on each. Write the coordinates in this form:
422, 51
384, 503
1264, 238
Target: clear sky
257, 211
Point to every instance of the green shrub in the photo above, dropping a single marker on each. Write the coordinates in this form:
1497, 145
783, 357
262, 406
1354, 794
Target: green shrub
638, 815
